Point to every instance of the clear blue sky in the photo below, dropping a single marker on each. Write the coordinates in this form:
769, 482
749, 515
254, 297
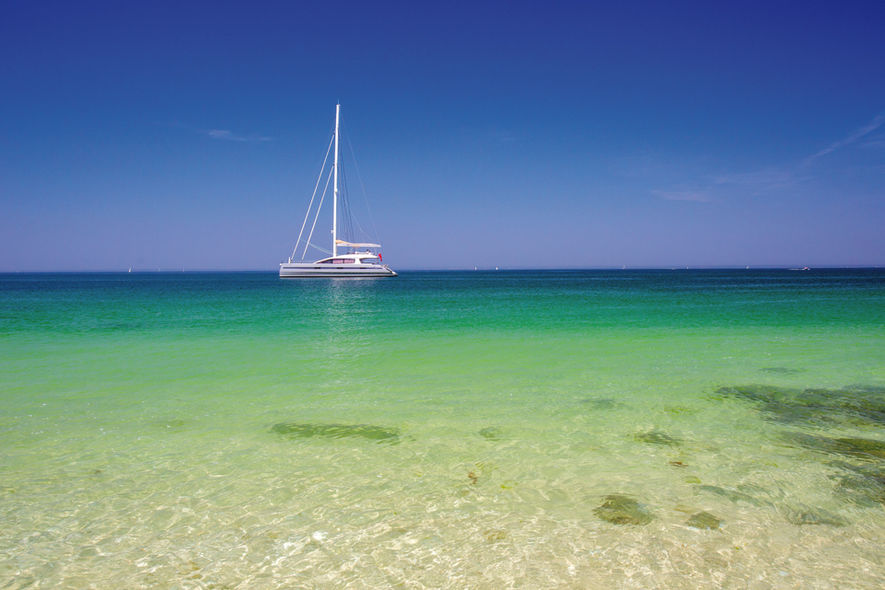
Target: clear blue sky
518, 134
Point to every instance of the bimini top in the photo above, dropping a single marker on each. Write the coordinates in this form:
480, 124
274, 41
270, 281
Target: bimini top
357, 245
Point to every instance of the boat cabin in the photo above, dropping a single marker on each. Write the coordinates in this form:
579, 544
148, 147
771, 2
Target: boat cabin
355, 258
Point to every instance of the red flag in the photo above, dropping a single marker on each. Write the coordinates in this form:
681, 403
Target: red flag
379, 257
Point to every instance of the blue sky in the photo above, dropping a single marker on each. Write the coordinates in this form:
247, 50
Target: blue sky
513, 134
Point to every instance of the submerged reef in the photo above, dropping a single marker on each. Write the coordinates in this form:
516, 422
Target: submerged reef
656, 437
703, 520
619, 509
732, 495
597, 403
863, 485
854, 404
861, 448
861, 459
491, 433
805, 516
310, 430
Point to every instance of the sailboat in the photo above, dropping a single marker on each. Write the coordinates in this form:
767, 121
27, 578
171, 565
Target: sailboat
348, 259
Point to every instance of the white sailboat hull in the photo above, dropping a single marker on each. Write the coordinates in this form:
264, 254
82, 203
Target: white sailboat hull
300, 270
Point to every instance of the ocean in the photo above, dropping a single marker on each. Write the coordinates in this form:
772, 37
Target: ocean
525, 429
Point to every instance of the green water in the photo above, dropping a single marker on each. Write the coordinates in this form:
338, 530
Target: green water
461, 430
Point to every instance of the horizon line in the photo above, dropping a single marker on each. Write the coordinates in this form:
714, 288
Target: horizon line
465, 269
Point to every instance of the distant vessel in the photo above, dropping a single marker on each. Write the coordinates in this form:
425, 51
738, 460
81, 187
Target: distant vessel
359, 259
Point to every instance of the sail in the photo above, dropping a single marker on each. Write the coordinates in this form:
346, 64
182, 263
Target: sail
356, 244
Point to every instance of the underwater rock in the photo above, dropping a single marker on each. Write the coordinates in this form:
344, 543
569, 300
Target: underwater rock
799, 412
781, 404
855, 403
703, 520
863, 448
308, 430
858, 404
656, 437
602, 403
861, 491
757, 393
618, 509
815, 516
864, 485
733, 495
807, 441
875, 472
491, 433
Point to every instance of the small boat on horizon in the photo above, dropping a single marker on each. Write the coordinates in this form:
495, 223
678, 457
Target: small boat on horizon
358, 259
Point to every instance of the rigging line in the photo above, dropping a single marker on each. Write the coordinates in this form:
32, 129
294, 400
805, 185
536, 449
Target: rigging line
321, 249
352, 218
347, 211
362, 235
345, 217
360, 178
317, 216
306, 215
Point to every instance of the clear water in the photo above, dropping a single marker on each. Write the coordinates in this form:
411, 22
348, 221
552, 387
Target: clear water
456, 430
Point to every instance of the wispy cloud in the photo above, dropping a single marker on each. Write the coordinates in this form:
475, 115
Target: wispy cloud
694, 196
703, 179
758, 181
771, 178
716, 187
851, 138
765, 176
226, 135
875, 143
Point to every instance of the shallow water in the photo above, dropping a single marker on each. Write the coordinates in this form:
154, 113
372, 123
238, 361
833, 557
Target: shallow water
443, 430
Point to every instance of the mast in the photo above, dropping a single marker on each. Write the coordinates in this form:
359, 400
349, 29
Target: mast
335, 189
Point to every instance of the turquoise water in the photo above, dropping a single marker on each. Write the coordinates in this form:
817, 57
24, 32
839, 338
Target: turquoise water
443, 429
